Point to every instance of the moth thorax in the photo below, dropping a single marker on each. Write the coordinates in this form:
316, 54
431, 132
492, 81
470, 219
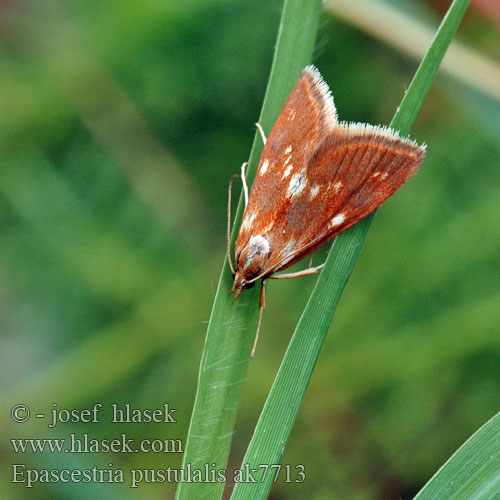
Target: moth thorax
252, 257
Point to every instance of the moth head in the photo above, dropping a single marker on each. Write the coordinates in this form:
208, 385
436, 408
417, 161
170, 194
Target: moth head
250, 261
240, 284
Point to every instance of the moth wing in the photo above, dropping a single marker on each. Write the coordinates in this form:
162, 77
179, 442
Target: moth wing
308, 116
355, 169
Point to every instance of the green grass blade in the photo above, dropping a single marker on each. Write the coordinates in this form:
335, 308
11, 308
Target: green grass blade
473, 471
232, 324
286, 395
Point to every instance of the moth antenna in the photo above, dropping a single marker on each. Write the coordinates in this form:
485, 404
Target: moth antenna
262, 303
261, 131
229, 224
244, 181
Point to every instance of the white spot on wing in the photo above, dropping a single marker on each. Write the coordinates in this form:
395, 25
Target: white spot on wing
288, 149
289, 247
337, 186
286, 173
337, 220
314, 192
287, 160
297, 184
248, 221
259, 244
264, 167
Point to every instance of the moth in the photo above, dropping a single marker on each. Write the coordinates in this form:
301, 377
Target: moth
316, 178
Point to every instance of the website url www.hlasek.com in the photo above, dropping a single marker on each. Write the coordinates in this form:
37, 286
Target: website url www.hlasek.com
86, 444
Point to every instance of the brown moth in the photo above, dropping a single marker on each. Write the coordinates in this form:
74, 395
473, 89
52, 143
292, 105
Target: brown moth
316, 178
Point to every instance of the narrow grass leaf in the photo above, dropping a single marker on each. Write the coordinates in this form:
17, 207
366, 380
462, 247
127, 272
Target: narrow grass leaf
473, 471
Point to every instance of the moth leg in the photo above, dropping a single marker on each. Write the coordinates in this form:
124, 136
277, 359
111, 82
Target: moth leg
262, 303
311, 260
260, 129
244, 181
304, 272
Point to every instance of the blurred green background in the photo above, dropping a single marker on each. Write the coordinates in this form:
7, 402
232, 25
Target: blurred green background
120, 126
